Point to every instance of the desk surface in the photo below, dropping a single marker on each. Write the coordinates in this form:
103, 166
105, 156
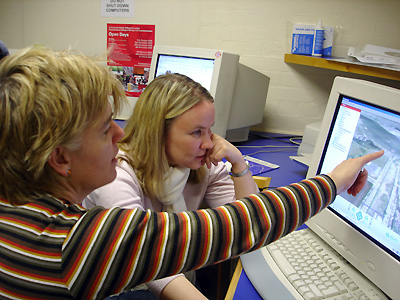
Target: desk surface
241, 287
277, 149
289, 172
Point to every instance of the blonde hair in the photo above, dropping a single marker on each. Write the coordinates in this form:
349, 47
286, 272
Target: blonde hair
47, 98
165, 98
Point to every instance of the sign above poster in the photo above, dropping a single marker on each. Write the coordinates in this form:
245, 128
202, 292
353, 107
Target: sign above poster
117, 8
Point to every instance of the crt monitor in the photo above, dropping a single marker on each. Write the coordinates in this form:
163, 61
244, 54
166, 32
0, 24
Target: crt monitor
363, 117
239, 92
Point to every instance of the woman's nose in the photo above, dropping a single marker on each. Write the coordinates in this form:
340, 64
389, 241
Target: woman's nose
207, 142
118, 132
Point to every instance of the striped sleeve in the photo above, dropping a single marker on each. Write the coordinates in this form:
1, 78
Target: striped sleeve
101, 252
175, 243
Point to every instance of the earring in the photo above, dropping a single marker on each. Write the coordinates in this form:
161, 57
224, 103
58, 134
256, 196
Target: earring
68, 172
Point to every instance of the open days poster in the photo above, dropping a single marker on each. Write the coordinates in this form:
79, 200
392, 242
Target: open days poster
131, 48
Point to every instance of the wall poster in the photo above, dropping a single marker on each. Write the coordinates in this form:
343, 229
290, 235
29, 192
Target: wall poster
130, 56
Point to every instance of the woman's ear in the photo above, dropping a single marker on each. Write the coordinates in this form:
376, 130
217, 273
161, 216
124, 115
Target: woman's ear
59, 161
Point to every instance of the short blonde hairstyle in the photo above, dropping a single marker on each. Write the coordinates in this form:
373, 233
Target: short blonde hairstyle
47, 98
165, 98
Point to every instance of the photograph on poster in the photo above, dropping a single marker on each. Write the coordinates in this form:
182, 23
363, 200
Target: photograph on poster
134, 79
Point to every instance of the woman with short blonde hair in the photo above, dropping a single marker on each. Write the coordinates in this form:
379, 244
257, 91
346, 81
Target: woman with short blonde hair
58, 142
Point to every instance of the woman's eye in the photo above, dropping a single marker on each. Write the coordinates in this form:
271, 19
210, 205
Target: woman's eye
197, 132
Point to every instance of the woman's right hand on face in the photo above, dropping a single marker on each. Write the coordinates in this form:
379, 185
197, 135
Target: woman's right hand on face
223, 149
350, 175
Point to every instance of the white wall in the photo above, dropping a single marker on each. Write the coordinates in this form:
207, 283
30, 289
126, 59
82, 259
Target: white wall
258, 30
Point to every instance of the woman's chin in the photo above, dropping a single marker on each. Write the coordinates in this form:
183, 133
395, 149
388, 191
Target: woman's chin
196, 166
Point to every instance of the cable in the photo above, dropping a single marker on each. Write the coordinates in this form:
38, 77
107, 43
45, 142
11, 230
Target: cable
278, 138
266, 151
265, 146
293, 138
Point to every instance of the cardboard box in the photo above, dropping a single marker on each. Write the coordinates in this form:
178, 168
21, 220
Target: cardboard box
303, 39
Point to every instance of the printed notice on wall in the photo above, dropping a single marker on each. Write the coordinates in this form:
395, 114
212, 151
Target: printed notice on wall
117, 8
130, 56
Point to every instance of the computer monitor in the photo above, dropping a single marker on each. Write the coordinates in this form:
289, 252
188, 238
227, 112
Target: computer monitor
239, 91
362, 117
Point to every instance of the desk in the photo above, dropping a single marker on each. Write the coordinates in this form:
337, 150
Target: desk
289, 172
241, 287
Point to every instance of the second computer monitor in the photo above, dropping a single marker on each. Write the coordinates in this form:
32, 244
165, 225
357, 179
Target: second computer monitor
239, 91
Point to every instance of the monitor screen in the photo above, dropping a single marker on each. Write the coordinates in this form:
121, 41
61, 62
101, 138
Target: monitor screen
197, 68
358, 128
363, 117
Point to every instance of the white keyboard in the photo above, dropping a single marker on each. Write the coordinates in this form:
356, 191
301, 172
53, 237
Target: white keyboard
311, 268
261, 162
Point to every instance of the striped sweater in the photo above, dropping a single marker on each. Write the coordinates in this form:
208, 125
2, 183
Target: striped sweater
50, 249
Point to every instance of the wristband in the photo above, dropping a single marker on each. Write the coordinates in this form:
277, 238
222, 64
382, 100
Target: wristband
241, 173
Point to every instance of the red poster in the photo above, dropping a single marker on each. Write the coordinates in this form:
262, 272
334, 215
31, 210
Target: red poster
130, 57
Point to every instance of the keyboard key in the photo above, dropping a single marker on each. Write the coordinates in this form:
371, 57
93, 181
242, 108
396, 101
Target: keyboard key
316, 292
293, 277
286, 268
340, 286
299, 283
345, 297
304, 289
330, 292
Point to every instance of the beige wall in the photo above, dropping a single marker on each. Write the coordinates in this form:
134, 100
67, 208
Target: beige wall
258, 30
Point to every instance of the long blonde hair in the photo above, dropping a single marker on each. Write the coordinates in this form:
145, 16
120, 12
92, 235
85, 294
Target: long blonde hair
47, 98
165, 98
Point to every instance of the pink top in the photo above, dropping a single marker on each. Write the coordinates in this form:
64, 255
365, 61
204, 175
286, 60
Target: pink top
126, 192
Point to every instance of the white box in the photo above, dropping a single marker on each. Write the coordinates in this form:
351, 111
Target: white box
306, 148
379, 54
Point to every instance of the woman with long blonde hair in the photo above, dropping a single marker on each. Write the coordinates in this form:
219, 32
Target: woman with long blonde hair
171, 160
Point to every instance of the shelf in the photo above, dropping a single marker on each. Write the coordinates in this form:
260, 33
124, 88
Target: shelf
343, 65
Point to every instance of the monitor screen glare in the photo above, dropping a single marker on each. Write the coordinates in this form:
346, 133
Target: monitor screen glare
199, 69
